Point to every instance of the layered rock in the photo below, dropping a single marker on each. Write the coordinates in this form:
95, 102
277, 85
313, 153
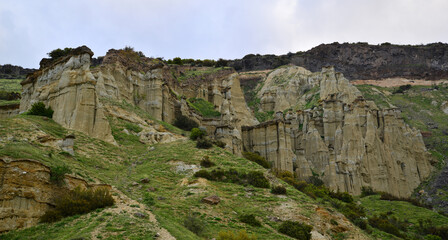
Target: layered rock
345, 140
361, 60
26, 192
81, 95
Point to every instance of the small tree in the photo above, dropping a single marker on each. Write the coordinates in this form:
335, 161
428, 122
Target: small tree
39, 109
57, 53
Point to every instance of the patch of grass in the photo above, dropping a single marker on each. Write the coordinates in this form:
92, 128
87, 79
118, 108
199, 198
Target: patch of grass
203, 107
11, 85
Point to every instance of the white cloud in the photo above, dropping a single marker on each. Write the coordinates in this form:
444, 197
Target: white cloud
211, 28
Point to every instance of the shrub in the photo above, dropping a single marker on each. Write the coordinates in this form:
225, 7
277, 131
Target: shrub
206, 162
197, 133
367, 191
250, 219
39, 109
148, 199
57, 53
57, 174
185, 123
278, 190
403, 88
133, 127
204, 143
78, 201
257, 179
315, 180
296, 230
257, 159
343, 196
413, 201
382, 223
220, 144
203, 174
228, 235
194, 224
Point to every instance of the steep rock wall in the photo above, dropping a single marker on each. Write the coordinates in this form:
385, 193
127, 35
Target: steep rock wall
26, 192
346, 140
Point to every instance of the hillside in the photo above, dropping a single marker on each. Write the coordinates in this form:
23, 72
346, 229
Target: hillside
331, 152
360, 60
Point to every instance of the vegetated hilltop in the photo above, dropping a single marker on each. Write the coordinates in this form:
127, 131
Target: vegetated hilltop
9, 71
360, 60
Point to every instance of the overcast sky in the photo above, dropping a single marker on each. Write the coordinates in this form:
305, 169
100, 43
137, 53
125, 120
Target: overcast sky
211, 28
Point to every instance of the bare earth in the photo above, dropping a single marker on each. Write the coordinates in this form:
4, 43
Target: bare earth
395, 82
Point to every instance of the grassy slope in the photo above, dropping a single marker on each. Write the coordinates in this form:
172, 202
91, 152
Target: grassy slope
97, 160
10, 85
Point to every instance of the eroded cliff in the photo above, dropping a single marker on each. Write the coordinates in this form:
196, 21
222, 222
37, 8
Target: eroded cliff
26, 192
334, 133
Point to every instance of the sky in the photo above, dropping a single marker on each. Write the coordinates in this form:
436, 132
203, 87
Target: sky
211, 29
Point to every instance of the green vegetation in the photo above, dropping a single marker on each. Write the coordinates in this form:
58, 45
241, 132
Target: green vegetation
185, 123
78, 201
254, 178
39, 109
296, 230
197, 133
278, 190
257, 159
58, 53
10, 85
250, 219
57, 174
203, 107
242, 235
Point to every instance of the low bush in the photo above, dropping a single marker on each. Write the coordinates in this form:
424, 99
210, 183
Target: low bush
185, 123
367, 191
133, 127
78, 201
204, 143
343, 196
197, 133
278, 190
206, 162
250, 219
427, 227
382, 223
296, 230
253, 178
257, 159
242, 235
220, 144
413, 201
403, 88
194, 224
39, 109
315, 180
148, 199
57, 174
257, 179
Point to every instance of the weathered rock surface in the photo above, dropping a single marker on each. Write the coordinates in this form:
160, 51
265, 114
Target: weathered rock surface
361, 60
346, 140
26, 192
7, 111
81, 96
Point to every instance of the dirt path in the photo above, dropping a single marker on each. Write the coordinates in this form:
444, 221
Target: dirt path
123, 203
396, 82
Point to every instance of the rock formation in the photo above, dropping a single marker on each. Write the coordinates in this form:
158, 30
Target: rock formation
361, 60
26, 192
344, 139
80, 94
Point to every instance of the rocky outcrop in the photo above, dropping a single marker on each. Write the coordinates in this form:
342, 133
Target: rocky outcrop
344, 139
69, 88
361, 60
9, 71
26, 192
10, 110
82, 95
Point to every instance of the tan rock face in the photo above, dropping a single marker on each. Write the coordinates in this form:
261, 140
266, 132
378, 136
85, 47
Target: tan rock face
26, 192
80, 96
347, 141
